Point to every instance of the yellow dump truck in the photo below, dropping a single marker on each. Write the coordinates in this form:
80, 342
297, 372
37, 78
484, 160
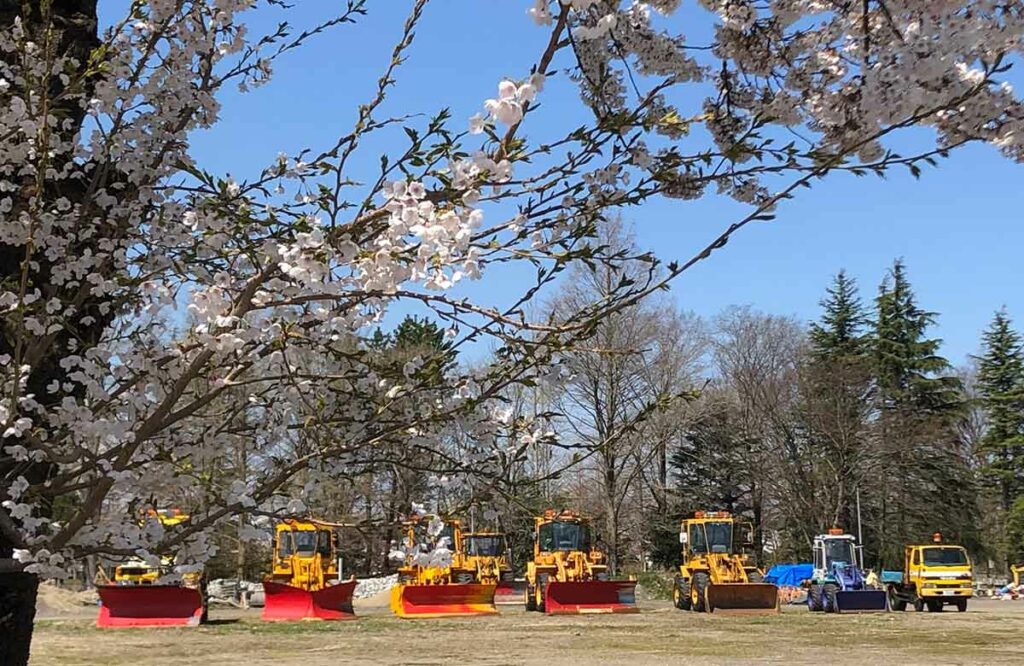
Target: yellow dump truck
715, 574
935, 575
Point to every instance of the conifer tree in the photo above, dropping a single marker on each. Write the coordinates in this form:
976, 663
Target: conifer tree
841, 329
1001, 388
926, 482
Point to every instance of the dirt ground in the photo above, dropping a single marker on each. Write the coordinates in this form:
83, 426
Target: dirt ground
989, 633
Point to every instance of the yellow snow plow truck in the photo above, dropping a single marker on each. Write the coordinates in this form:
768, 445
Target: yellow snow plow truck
715, 575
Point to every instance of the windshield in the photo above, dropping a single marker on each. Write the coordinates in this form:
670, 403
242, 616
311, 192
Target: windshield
447, 533
564, 536
839, 550
945, 557
485, 546
718, 535
305, 542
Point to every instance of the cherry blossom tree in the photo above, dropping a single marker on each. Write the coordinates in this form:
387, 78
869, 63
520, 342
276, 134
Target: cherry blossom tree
111, 235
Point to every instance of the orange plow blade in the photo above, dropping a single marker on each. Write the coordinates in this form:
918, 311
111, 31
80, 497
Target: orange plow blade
743, 598
149, 606
595, 596
284, 602
453, 600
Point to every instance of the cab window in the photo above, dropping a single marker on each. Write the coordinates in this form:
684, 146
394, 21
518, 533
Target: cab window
547, 537
697, 542
323, 545
915, 559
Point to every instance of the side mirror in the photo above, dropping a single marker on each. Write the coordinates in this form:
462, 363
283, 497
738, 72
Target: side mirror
682, 538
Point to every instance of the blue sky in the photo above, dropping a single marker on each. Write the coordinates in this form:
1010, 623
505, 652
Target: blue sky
958, 228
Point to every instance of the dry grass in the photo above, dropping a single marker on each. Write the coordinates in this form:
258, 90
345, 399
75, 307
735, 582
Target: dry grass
988, 633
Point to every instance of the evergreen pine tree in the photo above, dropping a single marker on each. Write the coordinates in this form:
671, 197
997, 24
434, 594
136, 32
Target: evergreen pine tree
909, 371
928, 483
1001, 387
834, 412
840, 333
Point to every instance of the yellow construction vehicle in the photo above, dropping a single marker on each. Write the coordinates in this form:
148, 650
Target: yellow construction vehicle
135, 598
487, 554
715, 574
437, 578
569, 574
934, 575
304, 583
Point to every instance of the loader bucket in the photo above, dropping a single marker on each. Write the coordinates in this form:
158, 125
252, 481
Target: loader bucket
510, 592
861, 601
454, 600
149, 606
284, 602
593, 596
743, 598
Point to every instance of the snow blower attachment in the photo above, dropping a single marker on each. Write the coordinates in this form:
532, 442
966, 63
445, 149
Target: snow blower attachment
715, 576
438, 582
838, 584
303, 584
568, 574
135, 598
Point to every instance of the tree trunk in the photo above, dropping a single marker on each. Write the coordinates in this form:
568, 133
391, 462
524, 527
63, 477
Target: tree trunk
76, 25
17, 613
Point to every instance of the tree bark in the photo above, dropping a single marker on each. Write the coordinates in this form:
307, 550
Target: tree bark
17, 613
75, 25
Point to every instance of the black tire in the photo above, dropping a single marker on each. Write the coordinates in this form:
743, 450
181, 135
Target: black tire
755, 577
542, 590
507, 577
814, 600
699, 593
831, 590
464, 578
602, 576
531, 599
961, 605
895, 603
934, 606
681, 594
918, 604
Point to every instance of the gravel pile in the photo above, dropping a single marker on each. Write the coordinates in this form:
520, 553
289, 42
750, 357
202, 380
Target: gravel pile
368, 587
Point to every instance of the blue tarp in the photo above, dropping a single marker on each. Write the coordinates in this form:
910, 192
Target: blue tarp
789, 574
892, 576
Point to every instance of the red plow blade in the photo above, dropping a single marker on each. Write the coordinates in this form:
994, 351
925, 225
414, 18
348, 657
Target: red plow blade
149, 606
453, 600
284, 602
595, 596
510, 592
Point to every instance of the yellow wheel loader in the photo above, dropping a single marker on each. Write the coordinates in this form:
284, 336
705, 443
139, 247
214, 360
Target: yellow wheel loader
304, 583
437, 579
568, 574
136, 598
487, 554
715, 574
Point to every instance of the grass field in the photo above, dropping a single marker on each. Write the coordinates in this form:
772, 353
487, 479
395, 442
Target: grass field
989, 633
